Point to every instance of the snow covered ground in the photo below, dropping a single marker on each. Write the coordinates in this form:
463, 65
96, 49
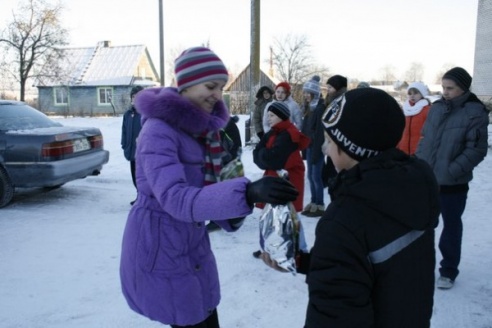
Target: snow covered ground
60, 252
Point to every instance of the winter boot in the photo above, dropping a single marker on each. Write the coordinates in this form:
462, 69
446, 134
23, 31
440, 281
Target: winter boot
444, 283
309, 207
212, 226
316, 211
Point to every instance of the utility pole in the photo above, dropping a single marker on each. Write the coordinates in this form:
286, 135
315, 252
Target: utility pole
161, 42
254, 67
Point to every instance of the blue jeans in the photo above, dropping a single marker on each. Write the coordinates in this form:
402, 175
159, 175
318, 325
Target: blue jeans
452, 207
315, 177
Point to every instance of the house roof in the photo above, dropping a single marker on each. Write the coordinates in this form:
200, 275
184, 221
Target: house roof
244, 74
99, 65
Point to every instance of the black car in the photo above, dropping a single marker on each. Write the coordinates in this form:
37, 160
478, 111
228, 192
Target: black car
36, 151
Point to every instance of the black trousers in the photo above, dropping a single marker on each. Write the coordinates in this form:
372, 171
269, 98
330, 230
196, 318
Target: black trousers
132, 169
211, 322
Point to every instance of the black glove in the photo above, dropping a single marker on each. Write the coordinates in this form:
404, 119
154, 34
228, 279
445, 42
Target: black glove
271, 190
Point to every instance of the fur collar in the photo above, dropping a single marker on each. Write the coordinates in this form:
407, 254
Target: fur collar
168, 105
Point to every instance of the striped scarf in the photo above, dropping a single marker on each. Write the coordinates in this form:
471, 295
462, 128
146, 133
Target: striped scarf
213, 155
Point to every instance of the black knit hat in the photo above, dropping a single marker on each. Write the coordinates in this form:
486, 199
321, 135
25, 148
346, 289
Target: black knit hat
364, 122
460, 76
337, 82
280, 110
135, 90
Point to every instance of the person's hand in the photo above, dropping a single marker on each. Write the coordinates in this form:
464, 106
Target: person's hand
271, 263
271, 190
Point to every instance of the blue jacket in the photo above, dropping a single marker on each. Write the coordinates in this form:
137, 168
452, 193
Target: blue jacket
129, 132
168, 271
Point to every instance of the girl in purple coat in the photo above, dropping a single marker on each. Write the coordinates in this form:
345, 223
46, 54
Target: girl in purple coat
168, 271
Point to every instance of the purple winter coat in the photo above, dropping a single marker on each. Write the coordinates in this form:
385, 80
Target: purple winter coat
168, 271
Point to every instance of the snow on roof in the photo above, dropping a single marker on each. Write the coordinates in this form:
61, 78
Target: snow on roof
100, 65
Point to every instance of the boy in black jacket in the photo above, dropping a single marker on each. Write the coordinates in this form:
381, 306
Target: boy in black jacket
373, 260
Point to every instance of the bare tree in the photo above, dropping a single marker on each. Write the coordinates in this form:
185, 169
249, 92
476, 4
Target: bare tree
415, 72
173, 53
293, 60
32, 38
388, 74
446, 67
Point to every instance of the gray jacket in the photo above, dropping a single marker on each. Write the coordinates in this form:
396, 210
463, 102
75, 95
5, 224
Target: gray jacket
454, 138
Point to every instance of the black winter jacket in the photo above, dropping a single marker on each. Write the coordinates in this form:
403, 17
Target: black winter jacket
312, 126
130, 128
373, 260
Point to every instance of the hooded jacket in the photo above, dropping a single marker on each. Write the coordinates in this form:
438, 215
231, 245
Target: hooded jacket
168, 271
372, 263
260, 104
280, 149
413, 126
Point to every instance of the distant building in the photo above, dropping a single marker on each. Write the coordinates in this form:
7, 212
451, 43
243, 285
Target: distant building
238, 91
95, 80
482, 72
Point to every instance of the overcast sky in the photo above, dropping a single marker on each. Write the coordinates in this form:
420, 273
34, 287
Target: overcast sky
351, 37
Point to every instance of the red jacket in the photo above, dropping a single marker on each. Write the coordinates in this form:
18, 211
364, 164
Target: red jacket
281, 149
412, 133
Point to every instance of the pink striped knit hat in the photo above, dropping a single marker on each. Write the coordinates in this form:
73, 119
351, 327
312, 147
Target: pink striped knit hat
197, 65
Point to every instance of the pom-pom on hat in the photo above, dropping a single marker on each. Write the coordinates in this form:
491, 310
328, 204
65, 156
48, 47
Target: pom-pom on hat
337, 82
312, 86
279, 109
420, 87
197, 65
363, 122
363, 84
460, 77
284, 85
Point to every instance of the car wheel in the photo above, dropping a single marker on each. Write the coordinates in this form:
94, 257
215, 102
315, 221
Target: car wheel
6, 188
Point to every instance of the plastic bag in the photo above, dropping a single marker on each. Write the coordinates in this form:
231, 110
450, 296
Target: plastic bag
233, 169
279, 234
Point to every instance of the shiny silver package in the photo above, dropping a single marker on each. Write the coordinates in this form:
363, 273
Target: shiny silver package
279, 234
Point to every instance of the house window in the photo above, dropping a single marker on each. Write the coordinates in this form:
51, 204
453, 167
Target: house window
61, 96
104, 96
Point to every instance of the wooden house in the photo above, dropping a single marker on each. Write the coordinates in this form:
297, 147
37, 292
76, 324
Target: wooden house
237, 93
95, 80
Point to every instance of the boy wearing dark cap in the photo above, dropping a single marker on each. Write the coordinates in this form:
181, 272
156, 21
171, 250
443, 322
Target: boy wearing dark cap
283, 94
336, 86
372, 263
454, 142
280, 149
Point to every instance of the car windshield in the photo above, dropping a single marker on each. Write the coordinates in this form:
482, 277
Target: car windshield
21, 117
